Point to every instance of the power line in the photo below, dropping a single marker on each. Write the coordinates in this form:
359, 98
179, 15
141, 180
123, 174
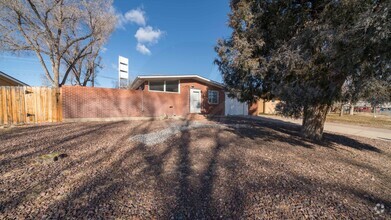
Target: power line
23, 59
106, 77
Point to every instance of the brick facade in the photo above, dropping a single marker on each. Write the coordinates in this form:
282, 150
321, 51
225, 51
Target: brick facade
206, 107
87, 102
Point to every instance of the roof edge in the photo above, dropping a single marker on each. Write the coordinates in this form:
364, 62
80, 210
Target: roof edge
141, 78
13, 79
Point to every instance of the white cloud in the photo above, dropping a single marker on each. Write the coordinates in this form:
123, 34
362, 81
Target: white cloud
143, 49
136, 16
148, 35
145, 35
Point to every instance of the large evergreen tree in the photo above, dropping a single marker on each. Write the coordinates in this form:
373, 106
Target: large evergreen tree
303, 52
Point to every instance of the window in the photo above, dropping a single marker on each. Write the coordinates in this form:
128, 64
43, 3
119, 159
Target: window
172, 86
164, 86
156, 86
213, 97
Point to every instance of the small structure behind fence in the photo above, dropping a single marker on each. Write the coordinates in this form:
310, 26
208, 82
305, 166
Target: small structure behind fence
21, 105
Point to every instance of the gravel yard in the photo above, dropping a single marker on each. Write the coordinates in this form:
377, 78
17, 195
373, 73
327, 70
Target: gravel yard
171, 169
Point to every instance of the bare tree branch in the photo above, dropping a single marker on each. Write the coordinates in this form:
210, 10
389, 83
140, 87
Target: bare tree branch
63, 31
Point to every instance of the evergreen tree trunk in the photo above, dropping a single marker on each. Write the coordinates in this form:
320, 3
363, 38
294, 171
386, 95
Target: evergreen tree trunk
341, 112
313, 121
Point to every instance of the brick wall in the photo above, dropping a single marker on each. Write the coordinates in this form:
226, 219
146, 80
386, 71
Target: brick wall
87, 102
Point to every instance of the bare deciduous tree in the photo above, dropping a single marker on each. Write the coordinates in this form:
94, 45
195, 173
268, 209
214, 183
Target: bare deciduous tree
84, 70
54, 30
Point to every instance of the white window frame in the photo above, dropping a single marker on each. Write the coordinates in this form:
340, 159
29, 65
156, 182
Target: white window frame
164, 86
217, 97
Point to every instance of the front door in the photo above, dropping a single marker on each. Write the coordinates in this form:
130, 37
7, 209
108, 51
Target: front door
195, 101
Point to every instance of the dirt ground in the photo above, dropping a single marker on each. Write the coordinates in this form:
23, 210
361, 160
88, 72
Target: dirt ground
364, 119
250, 169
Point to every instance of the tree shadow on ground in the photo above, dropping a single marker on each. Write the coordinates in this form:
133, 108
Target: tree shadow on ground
195, 174
188, 192
61, 143
195, 198
273, 128
42, 146
16, 131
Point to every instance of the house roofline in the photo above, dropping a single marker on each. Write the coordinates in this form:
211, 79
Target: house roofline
12, 79
142, 78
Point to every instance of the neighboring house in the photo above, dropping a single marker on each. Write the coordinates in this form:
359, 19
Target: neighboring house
263, 107
196, 94
362, 103
7, 80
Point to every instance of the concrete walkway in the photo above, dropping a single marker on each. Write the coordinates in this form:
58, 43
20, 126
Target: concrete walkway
369, 132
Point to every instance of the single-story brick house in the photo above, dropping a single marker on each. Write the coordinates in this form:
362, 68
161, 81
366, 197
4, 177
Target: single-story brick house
7, 80
156, 96
195, 94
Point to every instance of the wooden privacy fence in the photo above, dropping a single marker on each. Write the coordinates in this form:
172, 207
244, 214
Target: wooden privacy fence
19, 105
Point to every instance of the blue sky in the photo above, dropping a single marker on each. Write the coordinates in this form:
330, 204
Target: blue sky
173, 37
